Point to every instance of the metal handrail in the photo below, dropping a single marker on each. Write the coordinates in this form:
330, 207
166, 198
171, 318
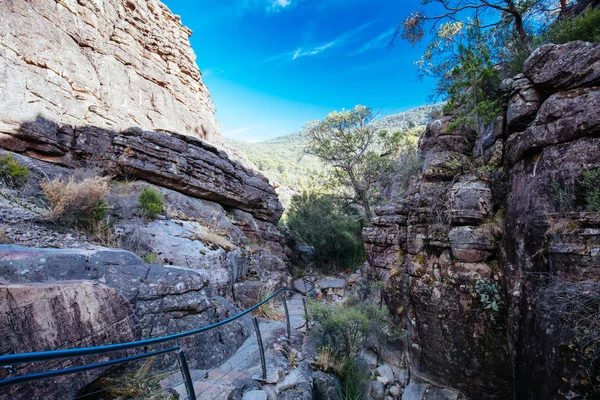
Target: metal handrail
11, 359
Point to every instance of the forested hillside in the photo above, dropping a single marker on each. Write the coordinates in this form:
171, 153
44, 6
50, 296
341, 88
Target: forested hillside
283, 161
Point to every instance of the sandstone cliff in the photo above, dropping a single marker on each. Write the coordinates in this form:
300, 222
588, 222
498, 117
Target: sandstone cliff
114, 64
487, 268
111, 88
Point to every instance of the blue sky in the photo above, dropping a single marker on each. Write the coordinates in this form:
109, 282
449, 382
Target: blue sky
271, 65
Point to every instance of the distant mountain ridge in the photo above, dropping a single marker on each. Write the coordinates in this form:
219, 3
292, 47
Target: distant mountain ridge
282, 158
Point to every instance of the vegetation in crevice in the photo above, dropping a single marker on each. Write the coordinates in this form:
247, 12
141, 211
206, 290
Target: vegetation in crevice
13, 173
151, 202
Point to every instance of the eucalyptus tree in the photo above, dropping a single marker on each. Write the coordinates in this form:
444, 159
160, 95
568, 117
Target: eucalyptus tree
358, 153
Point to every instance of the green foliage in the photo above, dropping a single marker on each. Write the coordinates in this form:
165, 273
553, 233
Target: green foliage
488, 293
284, 162
319, 221
471, 83
583, 27
150, 201
345, 328
12, 172
590, 182
563, 198
355, 379
355, 150
149, 258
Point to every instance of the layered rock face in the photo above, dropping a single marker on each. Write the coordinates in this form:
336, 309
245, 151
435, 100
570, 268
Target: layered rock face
43, 316
117, 298
175, 161
492, 258
114, 64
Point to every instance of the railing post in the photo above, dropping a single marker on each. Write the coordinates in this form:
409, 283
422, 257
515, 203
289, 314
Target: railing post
261, 349
287, 318
185, 371
305, 314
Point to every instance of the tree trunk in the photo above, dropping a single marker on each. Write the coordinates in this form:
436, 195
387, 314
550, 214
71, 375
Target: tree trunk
362, 196
563, 7
519, 26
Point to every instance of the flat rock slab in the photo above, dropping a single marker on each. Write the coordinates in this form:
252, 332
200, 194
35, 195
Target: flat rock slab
332, 283
255, 395
415, 391
290, 381
441, 394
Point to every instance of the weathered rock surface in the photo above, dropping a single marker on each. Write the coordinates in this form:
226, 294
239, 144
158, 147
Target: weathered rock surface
114, 64
174, 161
482, 261
49, 316
554, 68
164, 299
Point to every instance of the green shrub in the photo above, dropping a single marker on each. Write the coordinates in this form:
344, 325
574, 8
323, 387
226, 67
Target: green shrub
151, 201
583, 27
149, 258
345, 328
320, 222
12, 172
563, 198
590, 182
355, 379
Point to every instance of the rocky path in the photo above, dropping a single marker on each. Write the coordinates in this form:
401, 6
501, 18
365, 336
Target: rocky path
244, 365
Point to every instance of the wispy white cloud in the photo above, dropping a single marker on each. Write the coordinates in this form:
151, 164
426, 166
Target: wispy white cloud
239, 131
312, 50
377, 42
267, 5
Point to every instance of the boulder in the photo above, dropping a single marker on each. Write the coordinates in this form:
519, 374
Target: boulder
415, 391
558, 67
469, 202
437, 137
112, 64
444, 165
255, 395
332, 283
325, 386
563, 117
386, 372
472, 244
377, 390
522, 105
165, 299
49, 316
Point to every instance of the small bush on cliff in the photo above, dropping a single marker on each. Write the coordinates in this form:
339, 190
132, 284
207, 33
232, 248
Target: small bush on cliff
488, 293
584, 27
563, 197
590, 182
77, 204
12, 173
151, 202
319, 221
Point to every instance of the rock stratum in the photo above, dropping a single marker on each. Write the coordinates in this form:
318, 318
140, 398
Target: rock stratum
111, 88
113, 64
488, 267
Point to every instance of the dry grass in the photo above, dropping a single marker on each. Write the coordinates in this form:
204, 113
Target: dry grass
575, 305
328, 361
138, 385
76, 203
268, 310
4, 239
210, 237
561, 226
